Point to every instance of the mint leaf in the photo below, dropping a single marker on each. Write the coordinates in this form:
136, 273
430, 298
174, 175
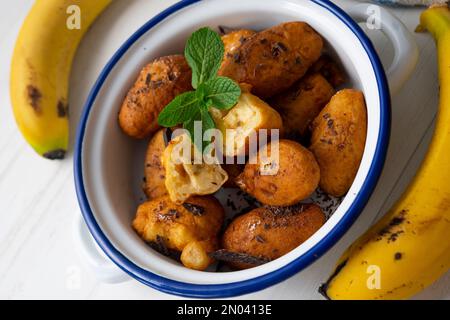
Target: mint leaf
189, 126
204, 53
207, 123
181, 109
222, 91
207, 120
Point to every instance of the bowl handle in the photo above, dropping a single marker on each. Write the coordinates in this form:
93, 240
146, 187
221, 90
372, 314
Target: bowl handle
405, 47
103, 268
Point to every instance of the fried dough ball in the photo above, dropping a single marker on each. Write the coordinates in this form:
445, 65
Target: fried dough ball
271, 232
155, 174
284, 181
191, 228
158, 84
301, 104
329, 70
274, 59
338, 140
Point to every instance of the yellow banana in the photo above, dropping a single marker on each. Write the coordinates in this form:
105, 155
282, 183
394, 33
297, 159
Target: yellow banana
40, 70
409, 248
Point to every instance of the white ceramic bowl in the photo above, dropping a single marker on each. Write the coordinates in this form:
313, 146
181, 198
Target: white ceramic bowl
108, 164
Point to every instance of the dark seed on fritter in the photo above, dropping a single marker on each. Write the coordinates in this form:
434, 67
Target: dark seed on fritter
278, 48
237, 58
174, 213
156, 84
282, 46
171, 215
196, 210
260, 239
160, 246
148, 79
228, 256
330, 123
172, 76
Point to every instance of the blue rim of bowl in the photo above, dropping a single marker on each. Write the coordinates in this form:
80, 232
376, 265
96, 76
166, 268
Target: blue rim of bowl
269, 279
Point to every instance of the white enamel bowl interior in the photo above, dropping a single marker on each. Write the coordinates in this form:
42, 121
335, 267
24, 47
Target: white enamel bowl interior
113, 164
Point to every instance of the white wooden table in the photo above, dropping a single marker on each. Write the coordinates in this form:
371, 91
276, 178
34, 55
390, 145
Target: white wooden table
37, 197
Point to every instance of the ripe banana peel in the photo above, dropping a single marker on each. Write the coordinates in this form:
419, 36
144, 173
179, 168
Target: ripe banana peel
40, 71
409, 248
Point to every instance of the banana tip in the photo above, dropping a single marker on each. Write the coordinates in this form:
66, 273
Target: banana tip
323, 289
57, 154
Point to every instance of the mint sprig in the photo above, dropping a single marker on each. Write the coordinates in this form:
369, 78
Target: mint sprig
204, 53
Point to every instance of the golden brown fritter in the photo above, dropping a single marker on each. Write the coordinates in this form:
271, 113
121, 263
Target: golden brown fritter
158, 84
274, 59
155, 174
329, 70
338, 140
271, 232
193, 226
295, 177
301, 104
